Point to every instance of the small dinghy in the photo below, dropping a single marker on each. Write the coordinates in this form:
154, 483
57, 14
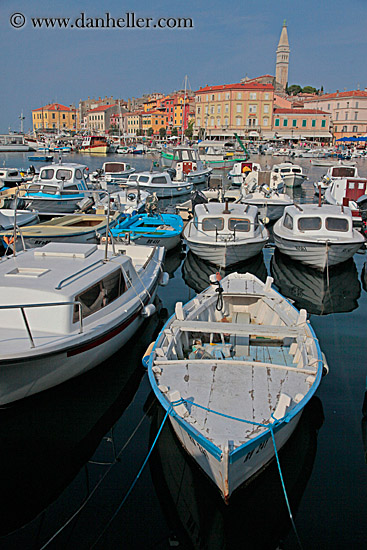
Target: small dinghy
234, 369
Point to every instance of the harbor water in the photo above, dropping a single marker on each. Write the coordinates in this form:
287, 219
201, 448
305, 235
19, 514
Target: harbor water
71, 458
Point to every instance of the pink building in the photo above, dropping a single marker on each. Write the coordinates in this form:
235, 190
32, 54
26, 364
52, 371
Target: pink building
302, 124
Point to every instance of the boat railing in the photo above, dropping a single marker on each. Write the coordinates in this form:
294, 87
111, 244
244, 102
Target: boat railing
85, 269
22, 308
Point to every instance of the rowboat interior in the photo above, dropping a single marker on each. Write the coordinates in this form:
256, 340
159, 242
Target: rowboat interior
243, 361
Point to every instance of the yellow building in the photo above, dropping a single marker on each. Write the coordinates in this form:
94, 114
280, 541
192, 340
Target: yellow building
133, 123
245, 108
153, 119
55, 117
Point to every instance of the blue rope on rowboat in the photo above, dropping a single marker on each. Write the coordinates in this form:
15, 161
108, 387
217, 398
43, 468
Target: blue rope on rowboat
271, 429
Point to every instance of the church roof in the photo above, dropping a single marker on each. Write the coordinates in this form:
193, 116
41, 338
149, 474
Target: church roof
284, 37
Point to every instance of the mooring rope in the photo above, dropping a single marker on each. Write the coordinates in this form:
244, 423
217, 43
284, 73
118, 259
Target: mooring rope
271, 429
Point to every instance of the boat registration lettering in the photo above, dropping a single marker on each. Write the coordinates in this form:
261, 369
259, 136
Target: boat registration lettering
256, 451
196, 444
301, 248
153, 241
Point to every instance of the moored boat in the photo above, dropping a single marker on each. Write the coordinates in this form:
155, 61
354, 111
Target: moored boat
225, 234
320, 236
66, 307
94, 144
233, 370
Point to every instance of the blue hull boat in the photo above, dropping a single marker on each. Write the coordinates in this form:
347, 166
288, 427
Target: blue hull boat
157, 230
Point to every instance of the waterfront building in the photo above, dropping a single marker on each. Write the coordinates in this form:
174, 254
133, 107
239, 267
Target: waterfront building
348, 111
154, 119
302, 124
133, 123
99, 119
244, 108
55, 117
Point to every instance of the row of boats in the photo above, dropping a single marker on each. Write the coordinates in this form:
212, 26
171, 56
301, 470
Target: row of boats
233, 369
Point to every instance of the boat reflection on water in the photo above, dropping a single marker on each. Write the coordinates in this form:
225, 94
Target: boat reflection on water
196, 272
47, 438
173, 260
320, 293
257, 516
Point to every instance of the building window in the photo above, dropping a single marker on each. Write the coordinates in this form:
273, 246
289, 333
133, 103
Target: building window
294, 123
347, 104
265, 121
357, 104
206, 109
252, 95
218, 109
218, 121
226, 121
212, 121
323, 123
304, 123
226, 96
328, 106
266, 108
218, 97
239, 95
346, 116
212, 97
356, 115
212, 110
226, 107
238, 121
355, 129
313, 123
337, 116
266, 96
252, 109
337, 105
207, 98
238, 108
344, 129
285, 122
277, 122
198, 110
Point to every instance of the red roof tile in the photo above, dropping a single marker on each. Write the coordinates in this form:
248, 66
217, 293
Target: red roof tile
238, 86
54, 107
102, 108
352, 93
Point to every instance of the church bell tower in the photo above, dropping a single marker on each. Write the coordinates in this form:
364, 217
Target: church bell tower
282, 63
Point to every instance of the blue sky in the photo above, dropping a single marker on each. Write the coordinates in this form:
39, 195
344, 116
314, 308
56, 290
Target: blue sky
230, 39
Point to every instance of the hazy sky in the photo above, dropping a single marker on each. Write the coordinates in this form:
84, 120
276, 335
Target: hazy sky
229, 40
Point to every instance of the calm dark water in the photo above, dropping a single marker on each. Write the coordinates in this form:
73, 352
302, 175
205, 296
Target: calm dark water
81, 445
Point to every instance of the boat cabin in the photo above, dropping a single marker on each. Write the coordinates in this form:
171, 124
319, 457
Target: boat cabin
56, 179
221, 219
324, 222
150, 178
287, 168
68, 273
342, 171
347, 191
10, 177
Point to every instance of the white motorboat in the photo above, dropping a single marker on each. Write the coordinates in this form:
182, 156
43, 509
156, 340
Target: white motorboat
346, 192
241, 170
66, 307
320, 236
270, 204
59, 188
234, 369
334, 172
13, 143
11, 177
112, 173
187, 167
272, 179
159, 183
292, 174
225, 234
10, 217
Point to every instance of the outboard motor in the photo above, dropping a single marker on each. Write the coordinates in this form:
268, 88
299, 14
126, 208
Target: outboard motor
172, 172
197, 197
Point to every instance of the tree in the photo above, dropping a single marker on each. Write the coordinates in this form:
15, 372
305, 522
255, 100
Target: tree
190, 129
174, 132
294, 89
162, 132
309, 90
150, 131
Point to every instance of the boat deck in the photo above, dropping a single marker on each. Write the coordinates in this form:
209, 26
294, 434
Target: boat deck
249, 387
